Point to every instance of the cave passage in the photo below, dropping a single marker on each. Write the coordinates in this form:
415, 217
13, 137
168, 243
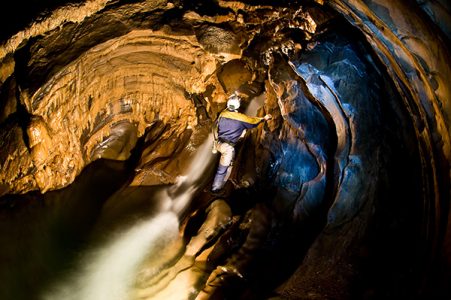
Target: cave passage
106, 112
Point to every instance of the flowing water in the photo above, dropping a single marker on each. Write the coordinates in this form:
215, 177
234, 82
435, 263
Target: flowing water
108, 272
87, 241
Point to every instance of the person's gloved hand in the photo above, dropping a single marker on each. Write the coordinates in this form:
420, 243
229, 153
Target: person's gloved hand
267, 117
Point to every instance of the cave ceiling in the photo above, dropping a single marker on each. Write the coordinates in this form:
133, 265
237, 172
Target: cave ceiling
358, 90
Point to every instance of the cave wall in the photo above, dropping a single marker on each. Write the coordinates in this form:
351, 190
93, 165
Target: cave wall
415, 55
407, 46
56, 93
91, 79
75, 104
369, 157
127, 79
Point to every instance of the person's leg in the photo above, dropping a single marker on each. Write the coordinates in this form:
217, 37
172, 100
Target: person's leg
222, 173
219, 181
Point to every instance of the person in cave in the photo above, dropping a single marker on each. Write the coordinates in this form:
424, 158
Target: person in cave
230, 127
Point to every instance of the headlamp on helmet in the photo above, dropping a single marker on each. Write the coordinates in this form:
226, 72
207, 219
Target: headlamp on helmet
234, 102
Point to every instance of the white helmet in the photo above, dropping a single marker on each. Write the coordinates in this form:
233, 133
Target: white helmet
234, 102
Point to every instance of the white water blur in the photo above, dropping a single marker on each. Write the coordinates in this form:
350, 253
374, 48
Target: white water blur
109, 272
188, 184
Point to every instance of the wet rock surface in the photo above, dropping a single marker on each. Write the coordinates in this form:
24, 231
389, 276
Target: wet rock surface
344, 194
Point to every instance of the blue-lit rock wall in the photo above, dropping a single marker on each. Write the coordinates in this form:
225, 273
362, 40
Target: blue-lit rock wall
330, 102
359, 148
342, 77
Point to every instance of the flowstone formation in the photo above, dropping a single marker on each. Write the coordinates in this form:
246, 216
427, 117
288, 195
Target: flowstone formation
343, 194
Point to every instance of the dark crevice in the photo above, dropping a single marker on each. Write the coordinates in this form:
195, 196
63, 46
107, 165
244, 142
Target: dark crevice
18, 15
208, 8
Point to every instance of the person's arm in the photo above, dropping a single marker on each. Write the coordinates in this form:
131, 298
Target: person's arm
248, 122
256, 121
